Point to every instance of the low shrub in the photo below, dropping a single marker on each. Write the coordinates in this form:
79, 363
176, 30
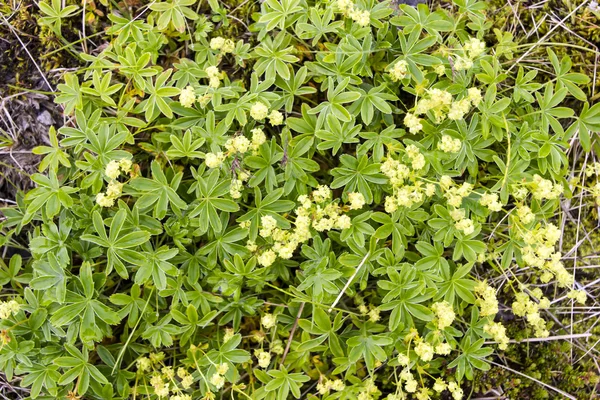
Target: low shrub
328, 205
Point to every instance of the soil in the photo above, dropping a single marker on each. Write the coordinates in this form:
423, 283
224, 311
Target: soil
25, 113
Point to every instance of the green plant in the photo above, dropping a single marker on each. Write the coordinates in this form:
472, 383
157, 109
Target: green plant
320, 226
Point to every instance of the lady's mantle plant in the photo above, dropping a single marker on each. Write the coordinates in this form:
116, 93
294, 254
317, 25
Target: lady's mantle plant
328, 206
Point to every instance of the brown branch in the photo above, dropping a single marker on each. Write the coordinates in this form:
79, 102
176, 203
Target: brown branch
289, 342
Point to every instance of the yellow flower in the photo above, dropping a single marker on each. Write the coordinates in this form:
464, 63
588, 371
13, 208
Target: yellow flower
217, 43
357, 200
413, 123
444, 314
275, 118
259, 111
187, 97
112, 169
268, 321
399, 71
104, 200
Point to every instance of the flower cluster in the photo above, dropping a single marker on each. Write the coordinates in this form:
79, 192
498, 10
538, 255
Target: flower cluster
491, 201
544, 188
357, 200
259, 111
399, 71
237, 184
539, 251
444, 314
578, 295
218, 379
187, 97
525, 307
441, 105
407, 188
486, 299
214, 76
448, 144
237, 145
472, 49
268, 321
361, 17
115, 188
498, 332
8, 308
221, 44
326, 385
263, 358
454, 193
320, 213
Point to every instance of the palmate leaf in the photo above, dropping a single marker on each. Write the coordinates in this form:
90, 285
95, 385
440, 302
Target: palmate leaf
70, 93
40, 377
185, 148
160, 95
55, 14
420, 19
269, 205
456, 285
268, 155
51, 276
77, 366
337, 97
119, 242
472, 356
336, 134
586, 123
159, 191
156, 266
209, 201
278, 13
174, 13
356, 175
50, 194
54, 154
368, 346
102, 88
284, 382
273, 56
375, 100
93, 316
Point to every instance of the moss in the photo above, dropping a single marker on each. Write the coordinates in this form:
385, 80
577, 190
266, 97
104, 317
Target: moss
539, 360
530, 20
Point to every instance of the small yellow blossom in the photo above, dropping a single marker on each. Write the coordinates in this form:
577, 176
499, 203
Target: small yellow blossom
413, 123
275, 118
444, 314
443, 349
259, 111
217, 380
263, 357
448, 144
498, 332
474, 47
268, 321
217, 43
579, 295
357, 200
214, 160
399, 71
112, 169
491, 201
105, 201
267, 258
187, 97
424, 350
